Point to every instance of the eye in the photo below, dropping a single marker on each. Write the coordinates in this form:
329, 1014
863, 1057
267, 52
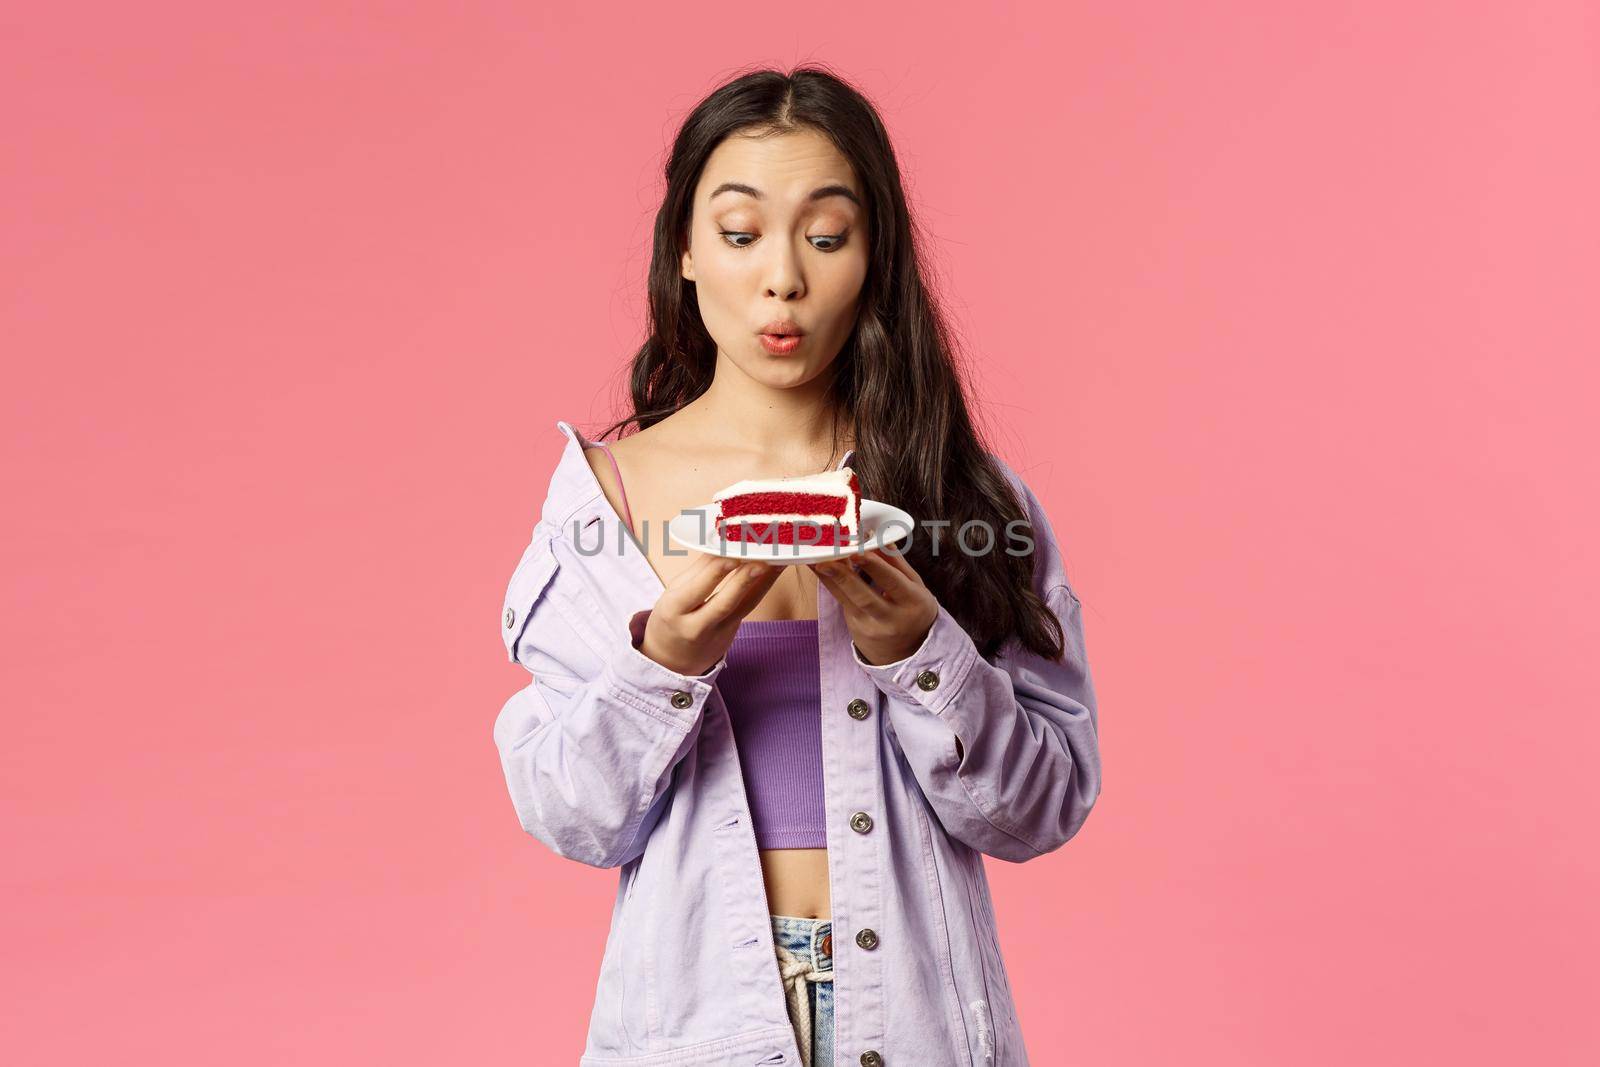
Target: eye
728, 236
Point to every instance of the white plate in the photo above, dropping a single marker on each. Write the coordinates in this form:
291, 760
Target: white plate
881, 524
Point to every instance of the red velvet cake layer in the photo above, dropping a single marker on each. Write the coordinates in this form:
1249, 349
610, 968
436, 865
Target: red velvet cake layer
783, 503
785, 532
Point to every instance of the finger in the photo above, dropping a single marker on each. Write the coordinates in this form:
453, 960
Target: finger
850, 567
690, 588
743, 589
887, 579
757, 589
846, 586
899, 562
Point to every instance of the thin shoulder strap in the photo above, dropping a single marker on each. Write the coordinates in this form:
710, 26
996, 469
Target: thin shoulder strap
627, 513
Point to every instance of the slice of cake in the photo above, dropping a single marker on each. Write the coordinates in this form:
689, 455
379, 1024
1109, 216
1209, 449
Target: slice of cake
812, 509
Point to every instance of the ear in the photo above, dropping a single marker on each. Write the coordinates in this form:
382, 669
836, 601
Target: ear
686, 268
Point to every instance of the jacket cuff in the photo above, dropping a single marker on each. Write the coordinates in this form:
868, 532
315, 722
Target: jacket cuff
641, 682
933, 674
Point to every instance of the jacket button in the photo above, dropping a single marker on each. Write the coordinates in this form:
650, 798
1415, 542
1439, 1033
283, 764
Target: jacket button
680, 699
860, 822
511, 617
927, 680
858, 708
867, 939
870, 1058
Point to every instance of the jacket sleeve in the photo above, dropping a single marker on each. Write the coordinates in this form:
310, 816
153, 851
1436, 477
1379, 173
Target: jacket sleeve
1027, 771
588, 746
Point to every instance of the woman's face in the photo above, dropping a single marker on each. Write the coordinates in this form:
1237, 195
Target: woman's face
777, 231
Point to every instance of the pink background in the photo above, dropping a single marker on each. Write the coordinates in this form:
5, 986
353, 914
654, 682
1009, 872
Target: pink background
1287, 312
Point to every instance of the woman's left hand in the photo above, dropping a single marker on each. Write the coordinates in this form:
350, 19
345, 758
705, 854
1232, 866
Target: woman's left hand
888, 617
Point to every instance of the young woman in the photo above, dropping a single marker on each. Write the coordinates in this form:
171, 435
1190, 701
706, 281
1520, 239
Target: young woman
796, 768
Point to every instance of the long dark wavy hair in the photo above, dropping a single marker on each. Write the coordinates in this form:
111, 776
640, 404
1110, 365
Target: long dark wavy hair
896, 380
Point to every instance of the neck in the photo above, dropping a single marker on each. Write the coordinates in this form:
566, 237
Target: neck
785, 426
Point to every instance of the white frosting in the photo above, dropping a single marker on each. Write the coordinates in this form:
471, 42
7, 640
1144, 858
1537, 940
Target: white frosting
778, 517
846, 521
828, 483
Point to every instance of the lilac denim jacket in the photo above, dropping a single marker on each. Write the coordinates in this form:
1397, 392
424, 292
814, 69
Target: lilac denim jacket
615, 761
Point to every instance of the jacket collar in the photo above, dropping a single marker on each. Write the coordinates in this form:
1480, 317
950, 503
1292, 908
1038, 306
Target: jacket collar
574, 487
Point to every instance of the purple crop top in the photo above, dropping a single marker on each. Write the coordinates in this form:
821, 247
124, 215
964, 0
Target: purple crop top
772, 687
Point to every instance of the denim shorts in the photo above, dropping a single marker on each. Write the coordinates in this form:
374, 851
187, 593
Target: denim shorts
805, 963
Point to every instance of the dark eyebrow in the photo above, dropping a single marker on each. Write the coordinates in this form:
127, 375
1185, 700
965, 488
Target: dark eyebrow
822, 192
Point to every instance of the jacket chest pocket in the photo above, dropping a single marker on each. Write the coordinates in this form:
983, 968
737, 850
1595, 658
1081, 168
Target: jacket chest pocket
584, 598
528, 583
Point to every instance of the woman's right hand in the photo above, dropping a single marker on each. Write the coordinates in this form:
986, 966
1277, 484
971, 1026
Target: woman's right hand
694, 620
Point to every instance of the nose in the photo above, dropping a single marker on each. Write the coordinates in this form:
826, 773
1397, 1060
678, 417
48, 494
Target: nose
784, 279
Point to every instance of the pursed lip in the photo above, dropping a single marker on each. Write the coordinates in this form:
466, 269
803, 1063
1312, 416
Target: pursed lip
782, 328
